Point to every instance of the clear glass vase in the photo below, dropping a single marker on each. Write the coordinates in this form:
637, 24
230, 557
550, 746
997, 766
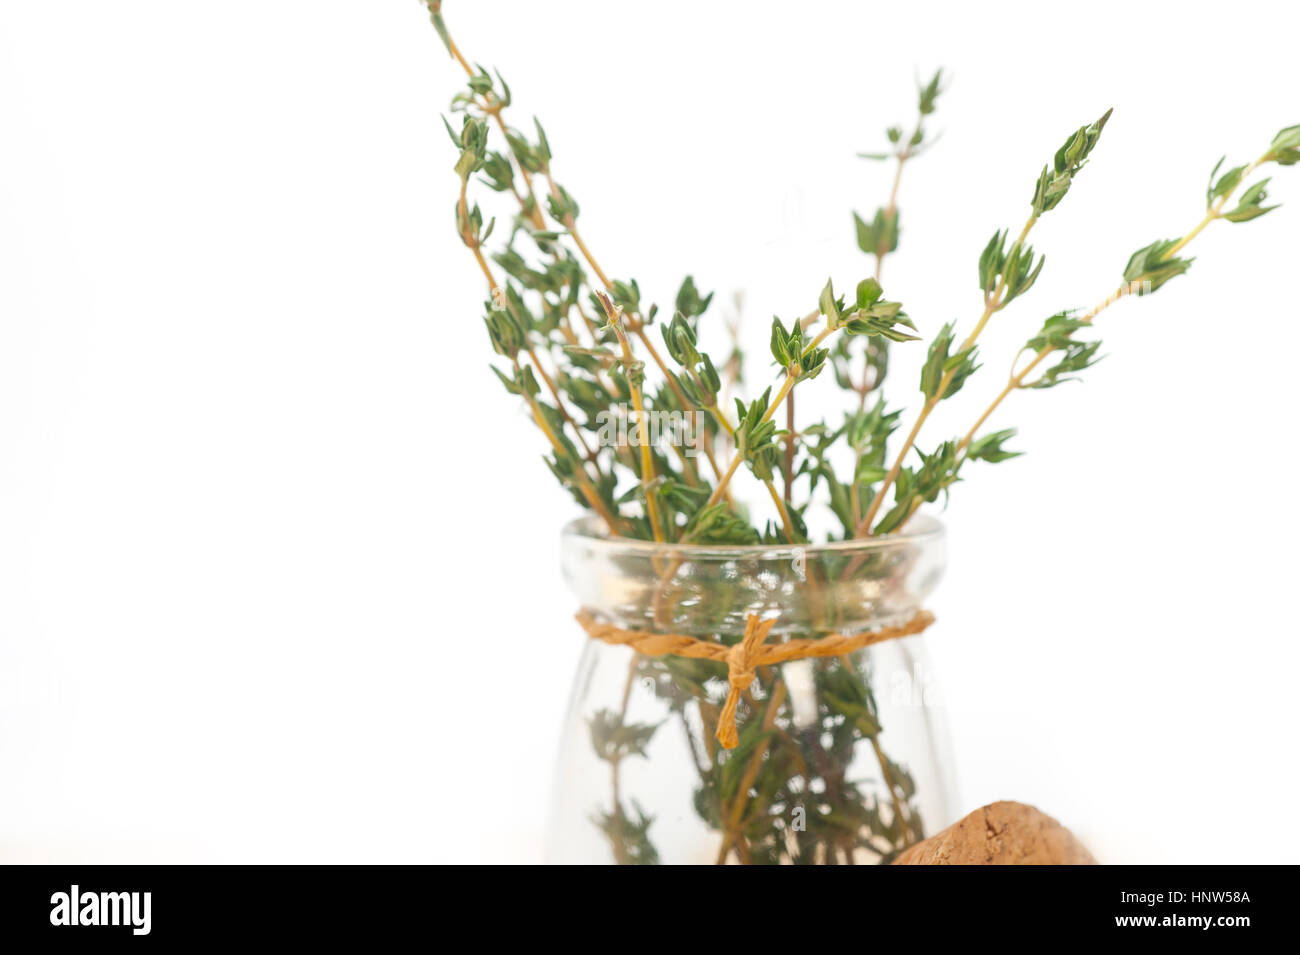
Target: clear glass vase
839, 759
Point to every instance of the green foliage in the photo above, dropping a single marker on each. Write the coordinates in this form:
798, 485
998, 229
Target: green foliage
880, 235
1285, 148
718, 524
990, 447
916, 486
1014, 269
1251, 206
872, 315
1055, 179
945, 370
929, 93
472, 142
613, 739
787, 347
689, 300
562, 206
439, 25
1223, 185
754, 433
1151, 266
629, 835
570, 362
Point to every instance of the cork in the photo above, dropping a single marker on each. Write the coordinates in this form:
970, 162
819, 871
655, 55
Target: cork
1001, 833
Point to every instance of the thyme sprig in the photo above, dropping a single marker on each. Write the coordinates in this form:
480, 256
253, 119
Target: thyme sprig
1004, 275
541, 315
1148, 269
576, 343
879, 237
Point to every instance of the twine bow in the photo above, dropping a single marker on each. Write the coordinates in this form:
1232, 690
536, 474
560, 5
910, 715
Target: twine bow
744, 657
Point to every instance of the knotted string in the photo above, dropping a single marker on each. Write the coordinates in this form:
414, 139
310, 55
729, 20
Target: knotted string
743, 658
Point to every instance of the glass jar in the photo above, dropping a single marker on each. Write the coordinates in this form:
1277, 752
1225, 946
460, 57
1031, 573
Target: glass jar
837, 759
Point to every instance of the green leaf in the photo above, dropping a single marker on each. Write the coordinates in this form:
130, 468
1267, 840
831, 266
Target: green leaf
929, 93
991, 259
828, 306
1285, 149
1015, 270
543, 145
1152, 266
1250, 205
939, 364
880, 235
881, 317
505, 331
1055, 180
562, 207
528, 383
689, 302
868, 293
780, 343
439, 25
936, 357
1077, 356
990, 448
679, 339
1224, 184
613, 739
718, 525
1056, 332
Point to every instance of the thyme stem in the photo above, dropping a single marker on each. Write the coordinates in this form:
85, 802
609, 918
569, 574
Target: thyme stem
1017, 379
638, 405
732, 817
993, 303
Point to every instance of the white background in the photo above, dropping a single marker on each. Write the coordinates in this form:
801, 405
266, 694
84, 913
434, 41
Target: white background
278, 573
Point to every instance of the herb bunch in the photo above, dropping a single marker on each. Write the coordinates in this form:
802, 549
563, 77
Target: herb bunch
575, 342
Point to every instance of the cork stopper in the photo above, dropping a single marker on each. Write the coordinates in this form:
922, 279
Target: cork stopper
1001, 833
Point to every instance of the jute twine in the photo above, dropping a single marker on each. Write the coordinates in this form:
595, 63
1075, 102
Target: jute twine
751, 652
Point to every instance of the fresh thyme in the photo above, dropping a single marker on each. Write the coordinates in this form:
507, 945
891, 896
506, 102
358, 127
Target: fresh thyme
578, 344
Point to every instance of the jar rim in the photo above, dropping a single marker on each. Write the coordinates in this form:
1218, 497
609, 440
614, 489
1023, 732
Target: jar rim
590, 530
